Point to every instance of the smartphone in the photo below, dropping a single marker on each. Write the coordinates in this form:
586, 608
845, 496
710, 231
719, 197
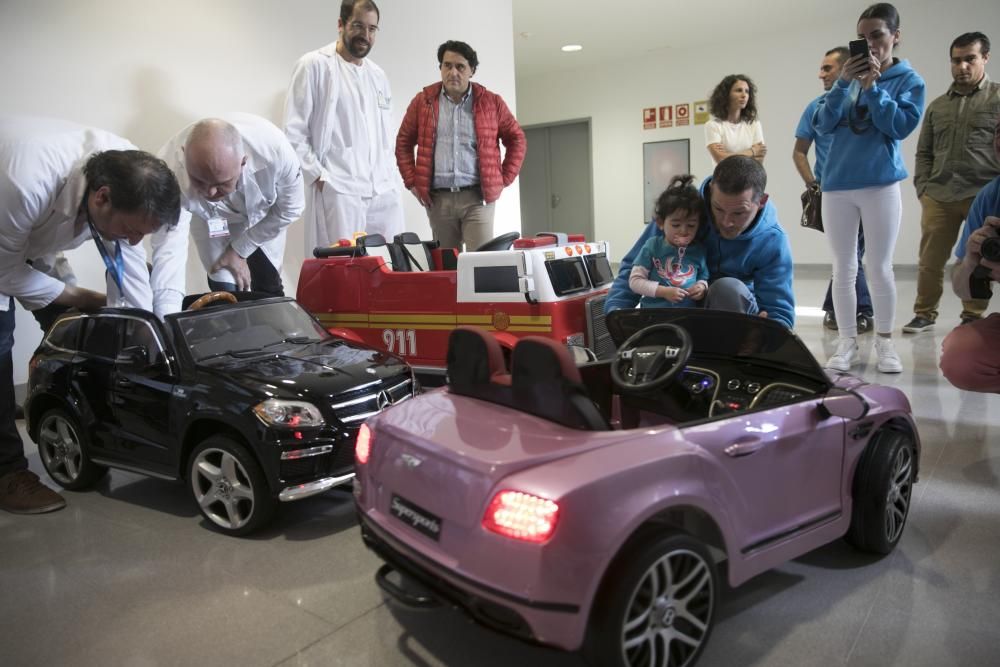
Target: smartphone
858, 47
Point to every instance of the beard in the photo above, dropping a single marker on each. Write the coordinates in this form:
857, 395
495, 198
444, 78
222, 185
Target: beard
358, 47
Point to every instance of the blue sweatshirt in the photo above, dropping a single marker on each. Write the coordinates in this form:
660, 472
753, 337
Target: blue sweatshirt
805, 130
986, 203
867, 127
760, 257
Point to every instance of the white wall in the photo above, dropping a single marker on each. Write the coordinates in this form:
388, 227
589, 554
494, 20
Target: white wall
144, 70
784, 66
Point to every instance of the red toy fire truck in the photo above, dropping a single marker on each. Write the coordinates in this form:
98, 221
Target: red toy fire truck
406, 296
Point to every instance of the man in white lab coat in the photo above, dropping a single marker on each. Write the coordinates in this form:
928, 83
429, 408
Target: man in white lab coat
241, 186
63, 185
339, 119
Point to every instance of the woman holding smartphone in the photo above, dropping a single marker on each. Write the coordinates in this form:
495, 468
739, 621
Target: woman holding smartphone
734, 128
875, 104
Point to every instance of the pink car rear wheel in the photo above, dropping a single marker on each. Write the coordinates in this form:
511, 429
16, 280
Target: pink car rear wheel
656, 607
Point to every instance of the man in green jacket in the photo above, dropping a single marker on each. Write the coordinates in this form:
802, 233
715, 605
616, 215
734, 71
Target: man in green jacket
955, 159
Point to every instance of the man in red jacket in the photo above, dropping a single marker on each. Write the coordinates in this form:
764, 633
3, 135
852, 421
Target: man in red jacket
456, 127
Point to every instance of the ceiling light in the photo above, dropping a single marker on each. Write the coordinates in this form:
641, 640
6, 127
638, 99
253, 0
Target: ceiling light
572, 47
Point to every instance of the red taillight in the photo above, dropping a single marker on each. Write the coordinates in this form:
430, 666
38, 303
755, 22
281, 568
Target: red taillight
521, 516
363, 446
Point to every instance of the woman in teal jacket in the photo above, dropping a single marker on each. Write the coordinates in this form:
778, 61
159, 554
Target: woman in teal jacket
876, 103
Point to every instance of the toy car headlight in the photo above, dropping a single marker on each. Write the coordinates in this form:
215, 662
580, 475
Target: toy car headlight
294, 414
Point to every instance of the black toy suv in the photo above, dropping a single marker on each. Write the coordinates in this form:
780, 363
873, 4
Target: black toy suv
249, 403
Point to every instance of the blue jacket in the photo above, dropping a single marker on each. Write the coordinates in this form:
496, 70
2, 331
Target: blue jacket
760, 257
867, 127
821, 142
986, 203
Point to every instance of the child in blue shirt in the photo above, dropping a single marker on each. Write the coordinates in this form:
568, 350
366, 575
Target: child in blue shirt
670, 270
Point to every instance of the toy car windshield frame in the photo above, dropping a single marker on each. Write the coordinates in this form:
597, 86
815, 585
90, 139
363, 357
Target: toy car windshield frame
212, 330
722, 334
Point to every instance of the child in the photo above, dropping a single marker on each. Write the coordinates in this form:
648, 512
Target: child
670, 270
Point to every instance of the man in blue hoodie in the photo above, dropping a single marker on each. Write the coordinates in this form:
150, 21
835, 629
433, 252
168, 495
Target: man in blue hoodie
749, 259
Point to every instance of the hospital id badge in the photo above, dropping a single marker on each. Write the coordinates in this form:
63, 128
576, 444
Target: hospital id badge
383, 101
217, 228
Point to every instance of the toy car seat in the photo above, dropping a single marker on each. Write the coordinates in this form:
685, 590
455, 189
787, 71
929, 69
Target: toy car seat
417, 253
474, 358
375, 245
546, 382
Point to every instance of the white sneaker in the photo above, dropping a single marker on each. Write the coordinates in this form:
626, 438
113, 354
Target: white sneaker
888, 359
844, 356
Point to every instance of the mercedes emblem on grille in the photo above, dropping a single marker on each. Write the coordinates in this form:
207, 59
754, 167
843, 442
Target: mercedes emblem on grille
383, 400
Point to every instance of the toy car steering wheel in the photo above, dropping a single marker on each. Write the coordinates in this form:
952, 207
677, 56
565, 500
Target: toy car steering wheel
212, 297
638, 368
502, 242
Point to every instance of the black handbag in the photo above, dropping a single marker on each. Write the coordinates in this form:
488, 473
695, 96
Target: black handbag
812, 208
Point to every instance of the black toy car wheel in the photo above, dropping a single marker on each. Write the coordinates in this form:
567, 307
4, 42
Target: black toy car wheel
657, 606
63, 450
229, 486
882, 487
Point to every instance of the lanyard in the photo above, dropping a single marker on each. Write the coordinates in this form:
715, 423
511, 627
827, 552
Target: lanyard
117, 267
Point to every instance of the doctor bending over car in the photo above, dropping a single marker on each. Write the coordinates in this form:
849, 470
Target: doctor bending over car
241, 186
338, 116
62, 186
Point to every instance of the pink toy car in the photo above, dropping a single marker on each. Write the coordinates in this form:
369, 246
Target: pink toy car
588, 507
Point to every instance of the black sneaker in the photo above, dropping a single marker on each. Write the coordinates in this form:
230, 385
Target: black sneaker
21, 492
918, 324
830, 321
865, 323
969, 320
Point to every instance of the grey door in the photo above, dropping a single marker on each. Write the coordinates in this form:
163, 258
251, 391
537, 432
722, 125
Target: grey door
556, 192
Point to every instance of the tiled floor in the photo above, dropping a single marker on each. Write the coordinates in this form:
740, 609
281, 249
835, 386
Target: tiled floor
128, 575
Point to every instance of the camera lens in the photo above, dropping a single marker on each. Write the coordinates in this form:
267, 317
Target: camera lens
990, 249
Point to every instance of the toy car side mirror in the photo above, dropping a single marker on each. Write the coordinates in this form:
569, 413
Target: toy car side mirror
133, 358
843, 403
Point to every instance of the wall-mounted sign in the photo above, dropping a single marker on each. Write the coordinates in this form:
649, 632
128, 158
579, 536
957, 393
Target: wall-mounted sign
701, 112
649, 118
683, 114
667, 116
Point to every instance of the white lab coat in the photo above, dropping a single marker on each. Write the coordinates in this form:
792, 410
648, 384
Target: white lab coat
338, 117
271, 183
41, 188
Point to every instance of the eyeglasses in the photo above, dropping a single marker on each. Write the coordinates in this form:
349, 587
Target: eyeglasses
358, 26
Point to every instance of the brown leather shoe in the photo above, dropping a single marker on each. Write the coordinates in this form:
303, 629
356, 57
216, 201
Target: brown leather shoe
21, 492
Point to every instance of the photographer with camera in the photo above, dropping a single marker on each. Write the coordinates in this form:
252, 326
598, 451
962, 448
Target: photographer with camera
970, 359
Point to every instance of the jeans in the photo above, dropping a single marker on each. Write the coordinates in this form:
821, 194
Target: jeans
11, 447
264, 278
733, 295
